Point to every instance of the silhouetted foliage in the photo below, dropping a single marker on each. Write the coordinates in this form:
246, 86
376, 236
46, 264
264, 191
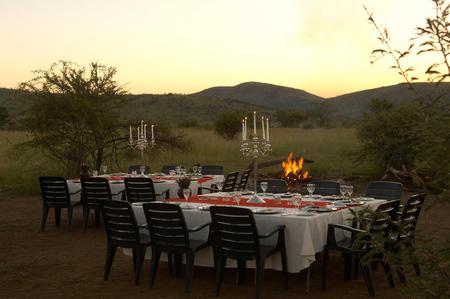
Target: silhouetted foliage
228, 125
290, 118
4, 115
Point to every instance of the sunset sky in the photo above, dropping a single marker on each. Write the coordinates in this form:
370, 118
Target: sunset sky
184, 46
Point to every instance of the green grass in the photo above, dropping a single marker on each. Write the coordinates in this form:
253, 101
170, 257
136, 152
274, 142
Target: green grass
333, 151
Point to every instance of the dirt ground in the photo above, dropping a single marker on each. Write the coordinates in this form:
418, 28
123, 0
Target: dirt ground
69, 264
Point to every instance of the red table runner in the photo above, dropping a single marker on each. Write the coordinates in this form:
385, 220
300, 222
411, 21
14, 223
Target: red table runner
269, 202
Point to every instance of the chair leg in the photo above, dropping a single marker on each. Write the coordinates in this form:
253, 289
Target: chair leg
356, 267
324, 268
259, 276
347, 266
58, 216
177, 260
367, 275
86, 212
220, 266
110, 253
69, 217
189, 270
44, 217
170, 263
241, 271
135, 255
156, 254
284, 266
140, 254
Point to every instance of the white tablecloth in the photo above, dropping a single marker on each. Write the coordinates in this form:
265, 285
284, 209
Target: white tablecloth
117, 186
305, 235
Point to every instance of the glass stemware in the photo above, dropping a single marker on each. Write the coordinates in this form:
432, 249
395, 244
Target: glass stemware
142, 170
177, 170
349, 191
297, 200
343, 190
199, 170
104, 169
236, 197
310, 188
264, 186
186, 195
194, 169
219, 186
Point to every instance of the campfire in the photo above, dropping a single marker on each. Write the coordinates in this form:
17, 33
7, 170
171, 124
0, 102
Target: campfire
293, 171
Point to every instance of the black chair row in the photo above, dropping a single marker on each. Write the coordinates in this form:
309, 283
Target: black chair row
234, 236
393, 227
233, 182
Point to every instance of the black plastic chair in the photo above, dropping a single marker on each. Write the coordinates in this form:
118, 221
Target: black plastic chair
141, 189
384, 190
122, 231
228, 185
212, 169
55, 194
378, 225
93, 190
404, 237
167, 168
169, 234
325, 187
137, 168
236, 237
242, 185
274, 186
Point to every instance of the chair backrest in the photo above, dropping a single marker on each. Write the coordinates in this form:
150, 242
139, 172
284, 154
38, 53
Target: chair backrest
411, 212
390, 209
273, 186
95, 189
120, 222
325, 187
167, 168
242, 185
139, 189
235, 232
384, 190
137, 168
212, 169
54, 191
230, 182
167, 226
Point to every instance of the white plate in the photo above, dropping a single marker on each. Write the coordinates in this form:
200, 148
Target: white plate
266, 211
304, 213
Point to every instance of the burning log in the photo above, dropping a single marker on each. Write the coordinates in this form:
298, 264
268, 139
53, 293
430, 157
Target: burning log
293, 171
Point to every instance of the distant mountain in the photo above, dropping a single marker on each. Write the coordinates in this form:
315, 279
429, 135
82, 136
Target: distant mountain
263, 94
353, 105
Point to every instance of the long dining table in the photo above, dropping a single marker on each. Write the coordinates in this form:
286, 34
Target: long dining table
306, 224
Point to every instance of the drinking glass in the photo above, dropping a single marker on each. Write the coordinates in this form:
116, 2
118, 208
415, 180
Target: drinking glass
186, 194
343, 190
297, 200
219, 186
183, 170
142, 170
94, 172
194, 169
104, 169
264, 186
349, 191
178, 170
133, 173
236, 197
199, 170
310, 188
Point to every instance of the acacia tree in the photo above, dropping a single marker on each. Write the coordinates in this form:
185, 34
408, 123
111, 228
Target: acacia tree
412, 140
74, 116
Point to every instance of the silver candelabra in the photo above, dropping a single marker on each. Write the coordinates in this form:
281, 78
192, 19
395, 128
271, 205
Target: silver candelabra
255, 147
141, 142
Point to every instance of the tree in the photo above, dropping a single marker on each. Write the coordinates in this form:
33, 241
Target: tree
290, 118
228, 124
75, 115
4, 115
320, 114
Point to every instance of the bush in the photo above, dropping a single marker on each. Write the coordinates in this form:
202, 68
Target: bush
3, 116
228, 125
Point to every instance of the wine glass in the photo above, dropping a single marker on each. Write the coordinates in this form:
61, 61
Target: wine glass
186, 194
310, 188
183, 170
219, 186
142, 170
297, 200
178, 170
104, 169
343, 190
199, 170
194, 169
264, 186
133, 173
349, 191
236, 197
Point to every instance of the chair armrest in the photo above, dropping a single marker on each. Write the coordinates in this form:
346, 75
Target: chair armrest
332, 227
73, 193
199, 227
274, 230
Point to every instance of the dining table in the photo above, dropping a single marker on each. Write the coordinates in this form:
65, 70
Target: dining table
306, 220
161, 182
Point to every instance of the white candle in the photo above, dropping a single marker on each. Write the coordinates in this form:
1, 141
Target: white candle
245, 121
243, 130
267, 129
254, 122
131, 134
139, 136
145, 131
153, 135
142, 128
262, 124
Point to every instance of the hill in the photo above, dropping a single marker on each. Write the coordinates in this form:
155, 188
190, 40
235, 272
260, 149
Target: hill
263, 94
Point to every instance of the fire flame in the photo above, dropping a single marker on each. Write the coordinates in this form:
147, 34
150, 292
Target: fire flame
294, 168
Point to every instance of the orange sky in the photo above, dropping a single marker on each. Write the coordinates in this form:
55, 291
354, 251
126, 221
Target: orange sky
180, 46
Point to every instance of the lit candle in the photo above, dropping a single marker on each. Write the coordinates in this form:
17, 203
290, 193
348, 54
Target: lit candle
142, 128
254, 122
243, 130
131, 134
245, 122
267, 129
145, 131
153, 135
139, 136
262, 124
